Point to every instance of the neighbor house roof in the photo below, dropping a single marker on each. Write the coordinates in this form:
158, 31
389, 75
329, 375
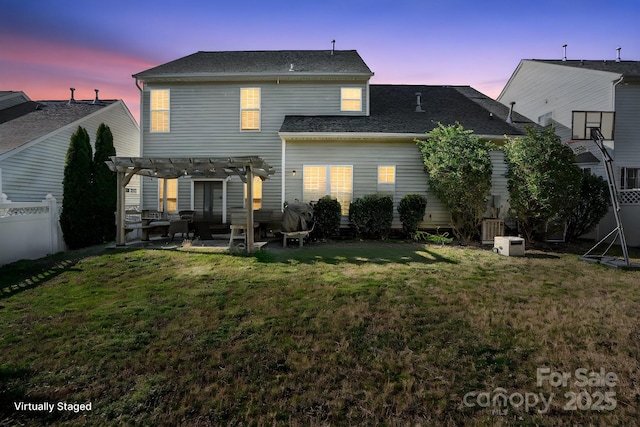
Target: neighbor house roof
623, 68
31, 120
393, 111
236, 64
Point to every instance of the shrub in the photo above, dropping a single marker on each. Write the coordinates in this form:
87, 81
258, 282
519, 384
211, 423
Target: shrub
371, 215
327, 214
591, 208
411, 210
459, 168
543, 180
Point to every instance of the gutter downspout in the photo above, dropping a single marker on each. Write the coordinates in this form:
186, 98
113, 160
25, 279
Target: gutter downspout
141, 195
284, 173
613, 108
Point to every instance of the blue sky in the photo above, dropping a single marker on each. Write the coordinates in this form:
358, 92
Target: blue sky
49, 46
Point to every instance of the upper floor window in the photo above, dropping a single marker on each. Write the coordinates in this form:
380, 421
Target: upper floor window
250, 108
545, 119
351, 99
159, 110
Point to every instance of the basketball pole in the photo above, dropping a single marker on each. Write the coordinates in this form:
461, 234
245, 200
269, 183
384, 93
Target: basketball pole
598, 138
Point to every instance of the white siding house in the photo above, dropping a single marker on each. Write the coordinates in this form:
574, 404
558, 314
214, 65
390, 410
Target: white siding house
35, 136
314, 117
549, 91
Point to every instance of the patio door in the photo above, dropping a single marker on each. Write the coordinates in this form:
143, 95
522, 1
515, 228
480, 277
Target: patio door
208, 201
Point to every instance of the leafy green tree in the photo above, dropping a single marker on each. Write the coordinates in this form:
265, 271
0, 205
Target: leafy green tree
76, 219
105, 186
591, 208
543, 180
459, 168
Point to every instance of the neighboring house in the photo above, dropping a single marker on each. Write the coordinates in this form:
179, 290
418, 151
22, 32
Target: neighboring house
35, 136
314, 117
550, 91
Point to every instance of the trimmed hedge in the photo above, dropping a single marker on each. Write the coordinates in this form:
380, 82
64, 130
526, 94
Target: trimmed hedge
371, 216
411, 210
327, 213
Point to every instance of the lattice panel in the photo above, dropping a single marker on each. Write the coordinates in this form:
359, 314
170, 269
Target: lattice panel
629, 197
23, 211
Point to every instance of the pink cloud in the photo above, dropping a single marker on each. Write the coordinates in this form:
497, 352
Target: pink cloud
46, 70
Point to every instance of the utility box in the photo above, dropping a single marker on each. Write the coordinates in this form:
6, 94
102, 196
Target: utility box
508, 246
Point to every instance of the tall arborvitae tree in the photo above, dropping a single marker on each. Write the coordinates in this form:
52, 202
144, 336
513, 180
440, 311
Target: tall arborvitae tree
76, 219
105, 186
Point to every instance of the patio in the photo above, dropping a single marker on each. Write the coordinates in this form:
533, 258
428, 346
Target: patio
169, 168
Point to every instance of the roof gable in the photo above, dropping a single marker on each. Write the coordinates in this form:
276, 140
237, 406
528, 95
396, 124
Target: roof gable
43, 118
250, 63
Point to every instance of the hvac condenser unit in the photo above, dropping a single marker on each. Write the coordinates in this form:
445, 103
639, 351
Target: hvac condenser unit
508, 245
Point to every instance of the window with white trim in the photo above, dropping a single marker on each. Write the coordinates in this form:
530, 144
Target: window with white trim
386, 179
630, 178
159, 110
257, 192
386, 174
351, 99
171, 195
250, 108
335, 181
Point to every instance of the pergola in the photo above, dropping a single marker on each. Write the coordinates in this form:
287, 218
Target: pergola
172, 167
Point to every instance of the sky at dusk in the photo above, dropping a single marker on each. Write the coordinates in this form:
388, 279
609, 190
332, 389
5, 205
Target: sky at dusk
46, 47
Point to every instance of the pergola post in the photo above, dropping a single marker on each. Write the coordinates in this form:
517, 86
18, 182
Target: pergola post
120, 209
249, 205
164, 198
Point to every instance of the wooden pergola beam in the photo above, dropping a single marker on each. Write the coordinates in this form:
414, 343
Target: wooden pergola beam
174, 167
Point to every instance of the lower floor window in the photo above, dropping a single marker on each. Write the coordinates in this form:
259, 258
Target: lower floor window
257, 192
171, 195
334, 181
630, 178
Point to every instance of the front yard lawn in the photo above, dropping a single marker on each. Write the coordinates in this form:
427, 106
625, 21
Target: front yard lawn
347, 334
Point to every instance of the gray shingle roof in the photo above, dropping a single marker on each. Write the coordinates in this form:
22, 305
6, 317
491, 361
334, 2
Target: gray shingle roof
261, 62
393, 111
48, 117
625, 68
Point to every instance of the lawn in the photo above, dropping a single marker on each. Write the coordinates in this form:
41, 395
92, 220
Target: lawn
392, 334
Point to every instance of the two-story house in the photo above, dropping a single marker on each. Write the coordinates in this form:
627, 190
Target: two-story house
35, 137
604, 92
314, 117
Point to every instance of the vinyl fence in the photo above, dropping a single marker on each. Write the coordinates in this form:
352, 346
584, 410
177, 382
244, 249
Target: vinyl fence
29, 230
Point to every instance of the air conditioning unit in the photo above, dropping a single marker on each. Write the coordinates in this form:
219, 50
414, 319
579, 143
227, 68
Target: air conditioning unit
508, 245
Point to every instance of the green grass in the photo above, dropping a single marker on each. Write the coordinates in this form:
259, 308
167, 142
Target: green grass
349, 334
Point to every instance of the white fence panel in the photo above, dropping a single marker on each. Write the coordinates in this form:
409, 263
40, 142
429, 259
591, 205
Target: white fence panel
29, 230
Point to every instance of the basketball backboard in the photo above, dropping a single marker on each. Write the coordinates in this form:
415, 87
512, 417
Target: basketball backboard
583, 121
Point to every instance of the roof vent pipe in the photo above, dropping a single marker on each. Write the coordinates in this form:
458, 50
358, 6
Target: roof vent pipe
618, 54
95, 101
510, 116
72, 100
333, 46
419, 103
564, 48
